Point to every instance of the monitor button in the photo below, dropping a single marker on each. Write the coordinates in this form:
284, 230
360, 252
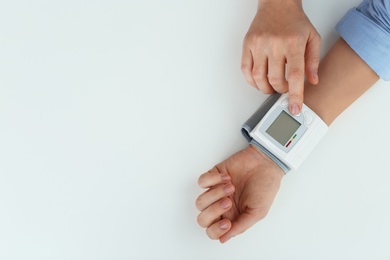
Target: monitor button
308, 117
284, 102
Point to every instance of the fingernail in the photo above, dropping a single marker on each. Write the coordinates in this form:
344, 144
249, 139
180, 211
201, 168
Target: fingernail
224, 225
225, 177
294, 109
228, 189
315, 75
225, 204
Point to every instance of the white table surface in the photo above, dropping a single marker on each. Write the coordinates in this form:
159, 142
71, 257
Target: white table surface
110, 110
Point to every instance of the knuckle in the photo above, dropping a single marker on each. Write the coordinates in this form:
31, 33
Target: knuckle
293, 42
251, 83
253, 39
313, 60
257, 39
201, 221
248, 37
295, 96
274, 40
245, 68
267, 90
295, 74
277, 41
258, 76
293, 39
275, 80
281, 89
211, 234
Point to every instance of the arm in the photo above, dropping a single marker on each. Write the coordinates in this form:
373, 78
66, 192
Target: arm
251, 180
281, 34
348, 69
345, 77
242, 188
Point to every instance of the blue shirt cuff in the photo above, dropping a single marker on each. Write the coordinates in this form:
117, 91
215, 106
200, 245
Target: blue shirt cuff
368, 39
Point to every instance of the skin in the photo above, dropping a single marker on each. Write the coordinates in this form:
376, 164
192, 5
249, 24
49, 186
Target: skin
240, 192
253, 180
281, 39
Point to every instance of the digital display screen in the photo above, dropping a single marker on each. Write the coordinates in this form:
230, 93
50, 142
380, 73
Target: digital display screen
283, 128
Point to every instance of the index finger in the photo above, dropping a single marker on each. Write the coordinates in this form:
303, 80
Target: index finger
296, 78
212, 178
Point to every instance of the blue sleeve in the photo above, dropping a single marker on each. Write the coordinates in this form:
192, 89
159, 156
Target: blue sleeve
366, 29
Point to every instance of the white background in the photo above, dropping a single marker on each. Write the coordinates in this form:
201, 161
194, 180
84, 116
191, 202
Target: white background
110, 110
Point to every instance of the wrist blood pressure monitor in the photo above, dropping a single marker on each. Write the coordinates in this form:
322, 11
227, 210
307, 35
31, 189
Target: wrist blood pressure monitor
286, 138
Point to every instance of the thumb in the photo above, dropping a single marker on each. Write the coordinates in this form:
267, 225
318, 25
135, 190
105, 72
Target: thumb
312, 58
240, 225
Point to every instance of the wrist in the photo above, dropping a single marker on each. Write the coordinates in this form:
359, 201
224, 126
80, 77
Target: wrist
266, 162
280, 3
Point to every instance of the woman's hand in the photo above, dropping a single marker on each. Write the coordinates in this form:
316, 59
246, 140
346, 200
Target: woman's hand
240, 192
281, 34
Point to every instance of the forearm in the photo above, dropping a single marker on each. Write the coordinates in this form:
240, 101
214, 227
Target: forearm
280, 1
344, 78
279, 4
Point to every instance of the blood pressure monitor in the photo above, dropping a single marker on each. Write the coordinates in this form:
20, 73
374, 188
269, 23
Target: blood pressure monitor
290, 138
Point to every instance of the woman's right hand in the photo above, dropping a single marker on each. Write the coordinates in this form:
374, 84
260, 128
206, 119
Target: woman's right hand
281, 34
